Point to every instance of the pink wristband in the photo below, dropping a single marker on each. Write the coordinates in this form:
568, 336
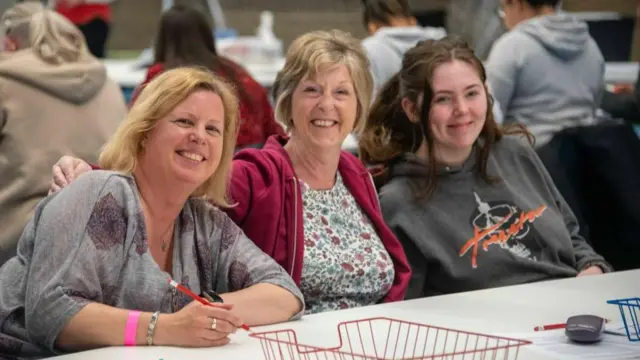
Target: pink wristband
131, 329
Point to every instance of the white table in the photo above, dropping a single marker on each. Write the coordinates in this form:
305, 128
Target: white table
621, 72
515, 309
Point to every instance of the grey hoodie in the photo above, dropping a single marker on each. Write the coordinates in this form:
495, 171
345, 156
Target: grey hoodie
471, 235
387, 46
547, 73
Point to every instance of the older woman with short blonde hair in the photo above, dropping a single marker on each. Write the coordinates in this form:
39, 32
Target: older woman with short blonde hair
303, 200
94, 263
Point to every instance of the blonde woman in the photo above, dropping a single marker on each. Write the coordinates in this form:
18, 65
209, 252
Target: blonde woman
94, 263
304, 201
55, 99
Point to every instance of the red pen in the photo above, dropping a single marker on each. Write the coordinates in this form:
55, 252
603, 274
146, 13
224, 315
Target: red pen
555, 326
197, 298
549, 327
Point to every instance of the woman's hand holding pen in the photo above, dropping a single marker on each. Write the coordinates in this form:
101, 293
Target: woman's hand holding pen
197, 325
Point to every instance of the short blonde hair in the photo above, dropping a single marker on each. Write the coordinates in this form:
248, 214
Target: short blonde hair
52, 37
157, 100
309, 54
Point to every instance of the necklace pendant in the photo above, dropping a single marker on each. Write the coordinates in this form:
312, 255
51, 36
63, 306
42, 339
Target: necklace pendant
164, 246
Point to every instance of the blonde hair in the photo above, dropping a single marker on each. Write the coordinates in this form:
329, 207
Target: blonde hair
48, 34
309, 54
158, 98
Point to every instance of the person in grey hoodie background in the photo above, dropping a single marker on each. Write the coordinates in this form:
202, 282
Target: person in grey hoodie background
547, 72
477, 22
393, 31
470, 201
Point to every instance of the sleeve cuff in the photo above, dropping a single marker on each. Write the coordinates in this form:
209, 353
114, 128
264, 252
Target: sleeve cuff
603, 265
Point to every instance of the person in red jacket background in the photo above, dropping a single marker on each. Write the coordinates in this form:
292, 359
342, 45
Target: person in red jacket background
185, 38
303, 200
92, 17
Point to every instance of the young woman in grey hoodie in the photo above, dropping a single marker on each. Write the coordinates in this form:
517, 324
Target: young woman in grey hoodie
472, 204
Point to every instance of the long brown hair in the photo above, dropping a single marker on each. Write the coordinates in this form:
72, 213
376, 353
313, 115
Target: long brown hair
185, 38
388, 132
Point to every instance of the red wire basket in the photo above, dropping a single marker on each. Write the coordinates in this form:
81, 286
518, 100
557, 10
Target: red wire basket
390, 339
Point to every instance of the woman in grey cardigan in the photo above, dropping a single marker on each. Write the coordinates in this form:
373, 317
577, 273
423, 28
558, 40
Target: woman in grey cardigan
471, 202
94, 263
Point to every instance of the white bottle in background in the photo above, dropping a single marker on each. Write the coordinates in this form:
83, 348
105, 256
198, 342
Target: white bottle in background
270, 46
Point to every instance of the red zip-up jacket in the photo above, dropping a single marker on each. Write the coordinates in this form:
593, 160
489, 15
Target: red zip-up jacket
256, 120
269, 208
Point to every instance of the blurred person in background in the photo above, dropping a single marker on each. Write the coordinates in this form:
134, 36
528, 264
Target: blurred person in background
624, 102
477, 22
392, 31
92, 17
56, 99
547, 72
185, 38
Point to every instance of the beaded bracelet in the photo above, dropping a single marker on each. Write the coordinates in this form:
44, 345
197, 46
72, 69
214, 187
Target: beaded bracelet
152, 327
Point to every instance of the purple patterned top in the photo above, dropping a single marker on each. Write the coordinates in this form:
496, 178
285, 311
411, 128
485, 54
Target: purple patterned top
88, 243
345, 264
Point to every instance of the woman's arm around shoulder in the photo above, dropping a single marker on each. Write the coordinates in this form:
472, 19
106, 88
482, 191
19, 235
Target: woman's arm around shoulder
259, 289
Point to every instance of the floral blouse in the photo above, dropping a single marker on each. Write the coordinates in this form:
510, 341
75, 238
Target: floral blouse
345, 264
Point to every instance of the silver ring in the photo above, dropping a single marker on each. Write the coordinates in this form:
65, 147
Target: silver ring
214, 324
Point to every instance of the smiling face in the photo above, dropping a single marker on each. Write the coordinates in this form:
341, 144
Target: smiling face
458, 109
324, 108
185, 146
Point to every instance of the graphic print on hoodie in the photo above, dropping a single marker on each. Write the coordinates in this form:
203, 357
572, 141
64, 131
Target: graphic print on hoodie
473, 235
547, 73
503, 226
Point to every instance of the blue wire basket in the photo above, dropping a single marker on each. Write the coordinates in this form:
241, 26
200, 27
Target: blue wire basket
630, 313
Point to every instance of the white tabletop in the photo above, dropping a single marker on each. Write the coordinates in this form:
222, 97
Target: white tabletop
515, 309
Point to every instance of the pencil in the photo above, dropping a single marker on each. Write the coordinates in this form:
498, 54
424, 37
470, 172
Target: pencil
198, 298
556, 326
549, 327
